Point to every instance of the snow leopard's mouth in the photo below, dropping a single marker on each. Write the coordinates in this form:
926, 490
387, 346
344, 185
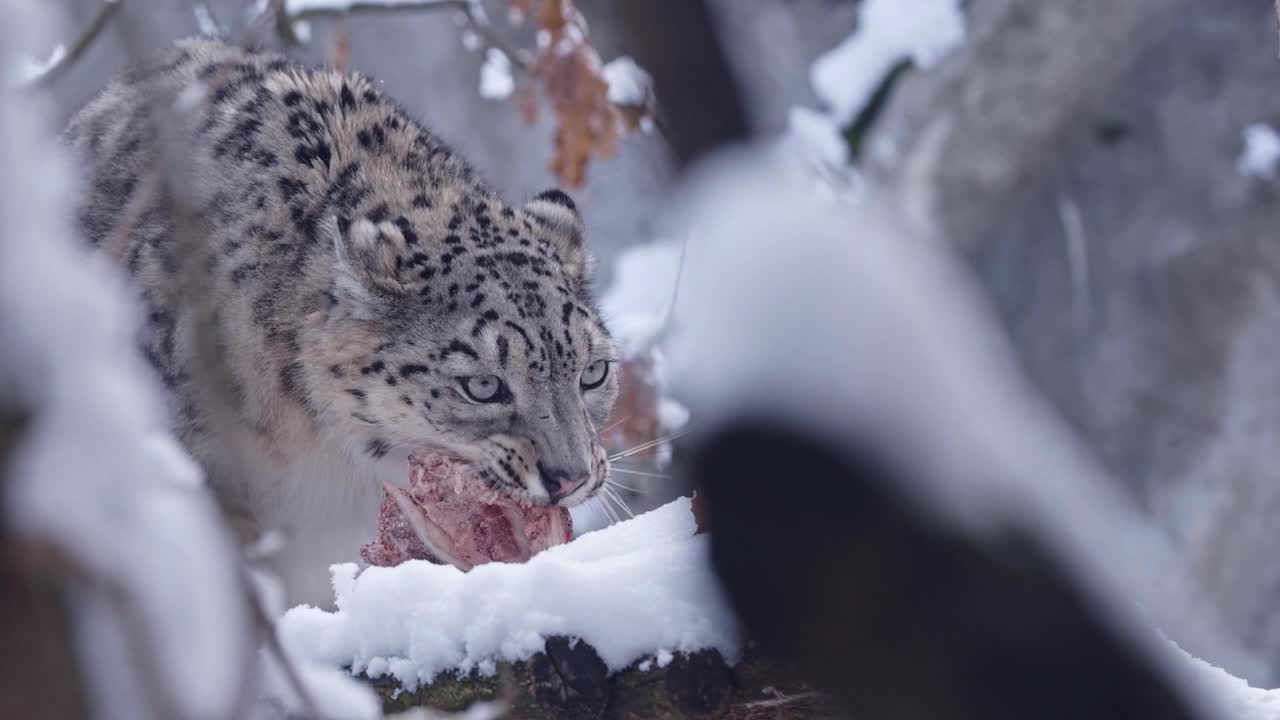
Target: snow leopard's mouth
448, 516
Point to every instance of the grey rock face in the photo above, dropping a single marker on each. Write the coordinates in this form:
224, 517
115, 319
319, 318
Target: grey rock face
1090, 175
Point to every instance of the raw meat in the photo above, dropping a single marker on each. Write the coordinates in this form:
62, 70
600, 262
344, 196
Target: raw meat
448, 516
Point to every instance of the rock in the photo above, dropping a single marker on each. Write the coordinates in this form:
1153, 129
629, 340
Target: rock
570, 678
1090, 177
699, 683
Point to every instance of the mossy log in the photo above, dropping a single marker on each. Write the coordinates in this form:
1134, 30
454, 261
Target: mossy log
569, 681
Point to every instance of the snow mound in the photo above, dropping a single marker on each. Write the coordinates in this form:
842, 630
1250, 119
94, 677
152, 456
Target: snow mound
1240, 700
629, 590
629, 84
496, 82
1261, 152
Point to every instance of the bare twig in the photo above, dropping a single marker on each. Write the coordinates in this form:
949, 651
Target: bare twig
1077, 260
376, 6
477, 21
58, 67
266, 629
782, 700
664, 332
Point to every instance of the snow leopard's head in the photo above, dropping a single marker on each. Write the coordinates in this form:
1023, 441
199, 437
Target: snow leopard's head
469, 327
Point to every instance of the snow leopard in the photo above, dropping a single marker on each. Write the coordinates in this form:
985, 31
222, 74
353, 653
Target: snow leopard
328, 288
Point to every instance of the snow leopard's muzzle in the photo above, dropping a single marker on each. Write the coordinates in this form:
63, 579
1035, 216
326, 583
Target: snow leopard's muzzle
512, 464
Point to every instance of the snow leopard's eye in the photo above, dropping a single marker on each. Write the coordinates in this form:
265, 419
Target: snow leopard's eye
594, 375
484, 388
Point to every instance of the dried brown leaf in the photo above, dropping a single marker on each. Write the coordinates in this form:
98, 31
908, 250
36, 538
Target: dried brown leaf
569, 70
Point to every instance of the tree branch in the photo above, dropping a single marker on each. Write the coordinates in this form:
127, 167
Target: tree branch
91, 31
700, 103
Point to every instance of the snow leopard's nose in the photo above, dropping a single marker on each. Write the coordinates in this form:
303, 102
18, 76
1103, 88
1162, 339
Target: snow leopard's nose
559, 483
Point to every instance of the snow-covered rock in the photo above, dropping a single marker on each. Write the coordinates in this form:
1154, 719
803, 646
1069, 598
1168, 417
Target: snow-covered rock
1261, 152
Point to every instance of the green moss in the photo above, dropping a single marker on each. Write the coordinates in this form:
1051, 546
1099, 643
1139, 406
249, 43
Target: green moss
451, 692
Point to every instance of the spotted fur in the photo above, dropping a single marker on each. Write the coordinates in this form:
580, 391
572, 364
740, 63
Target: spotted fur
340, 271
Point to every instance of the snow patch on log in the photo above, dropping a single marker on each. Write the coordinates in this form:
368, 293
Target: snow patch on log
629, 590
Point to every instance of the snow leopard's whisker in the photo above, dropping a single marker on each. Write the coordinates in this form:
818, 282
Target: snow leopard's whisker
614, 424
645, 446
609, 514
641, 473
614, 483
625, 506
643, 462
613, 495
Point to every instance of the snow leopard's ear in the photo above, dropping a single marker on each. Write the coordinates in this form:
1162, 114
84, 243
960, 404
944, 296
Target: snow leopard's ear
365, 263
556, 212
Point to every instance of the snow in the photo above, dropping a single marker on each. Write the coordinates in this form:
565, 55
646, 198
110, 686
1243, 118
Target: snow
629, 84
331, 689
204, 20
672, 416
815, 137
495, 76
845, 77
29, 70
1240, 701
97, 473
1261, 152
636, 305
190, 98
888, 32
627, 589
